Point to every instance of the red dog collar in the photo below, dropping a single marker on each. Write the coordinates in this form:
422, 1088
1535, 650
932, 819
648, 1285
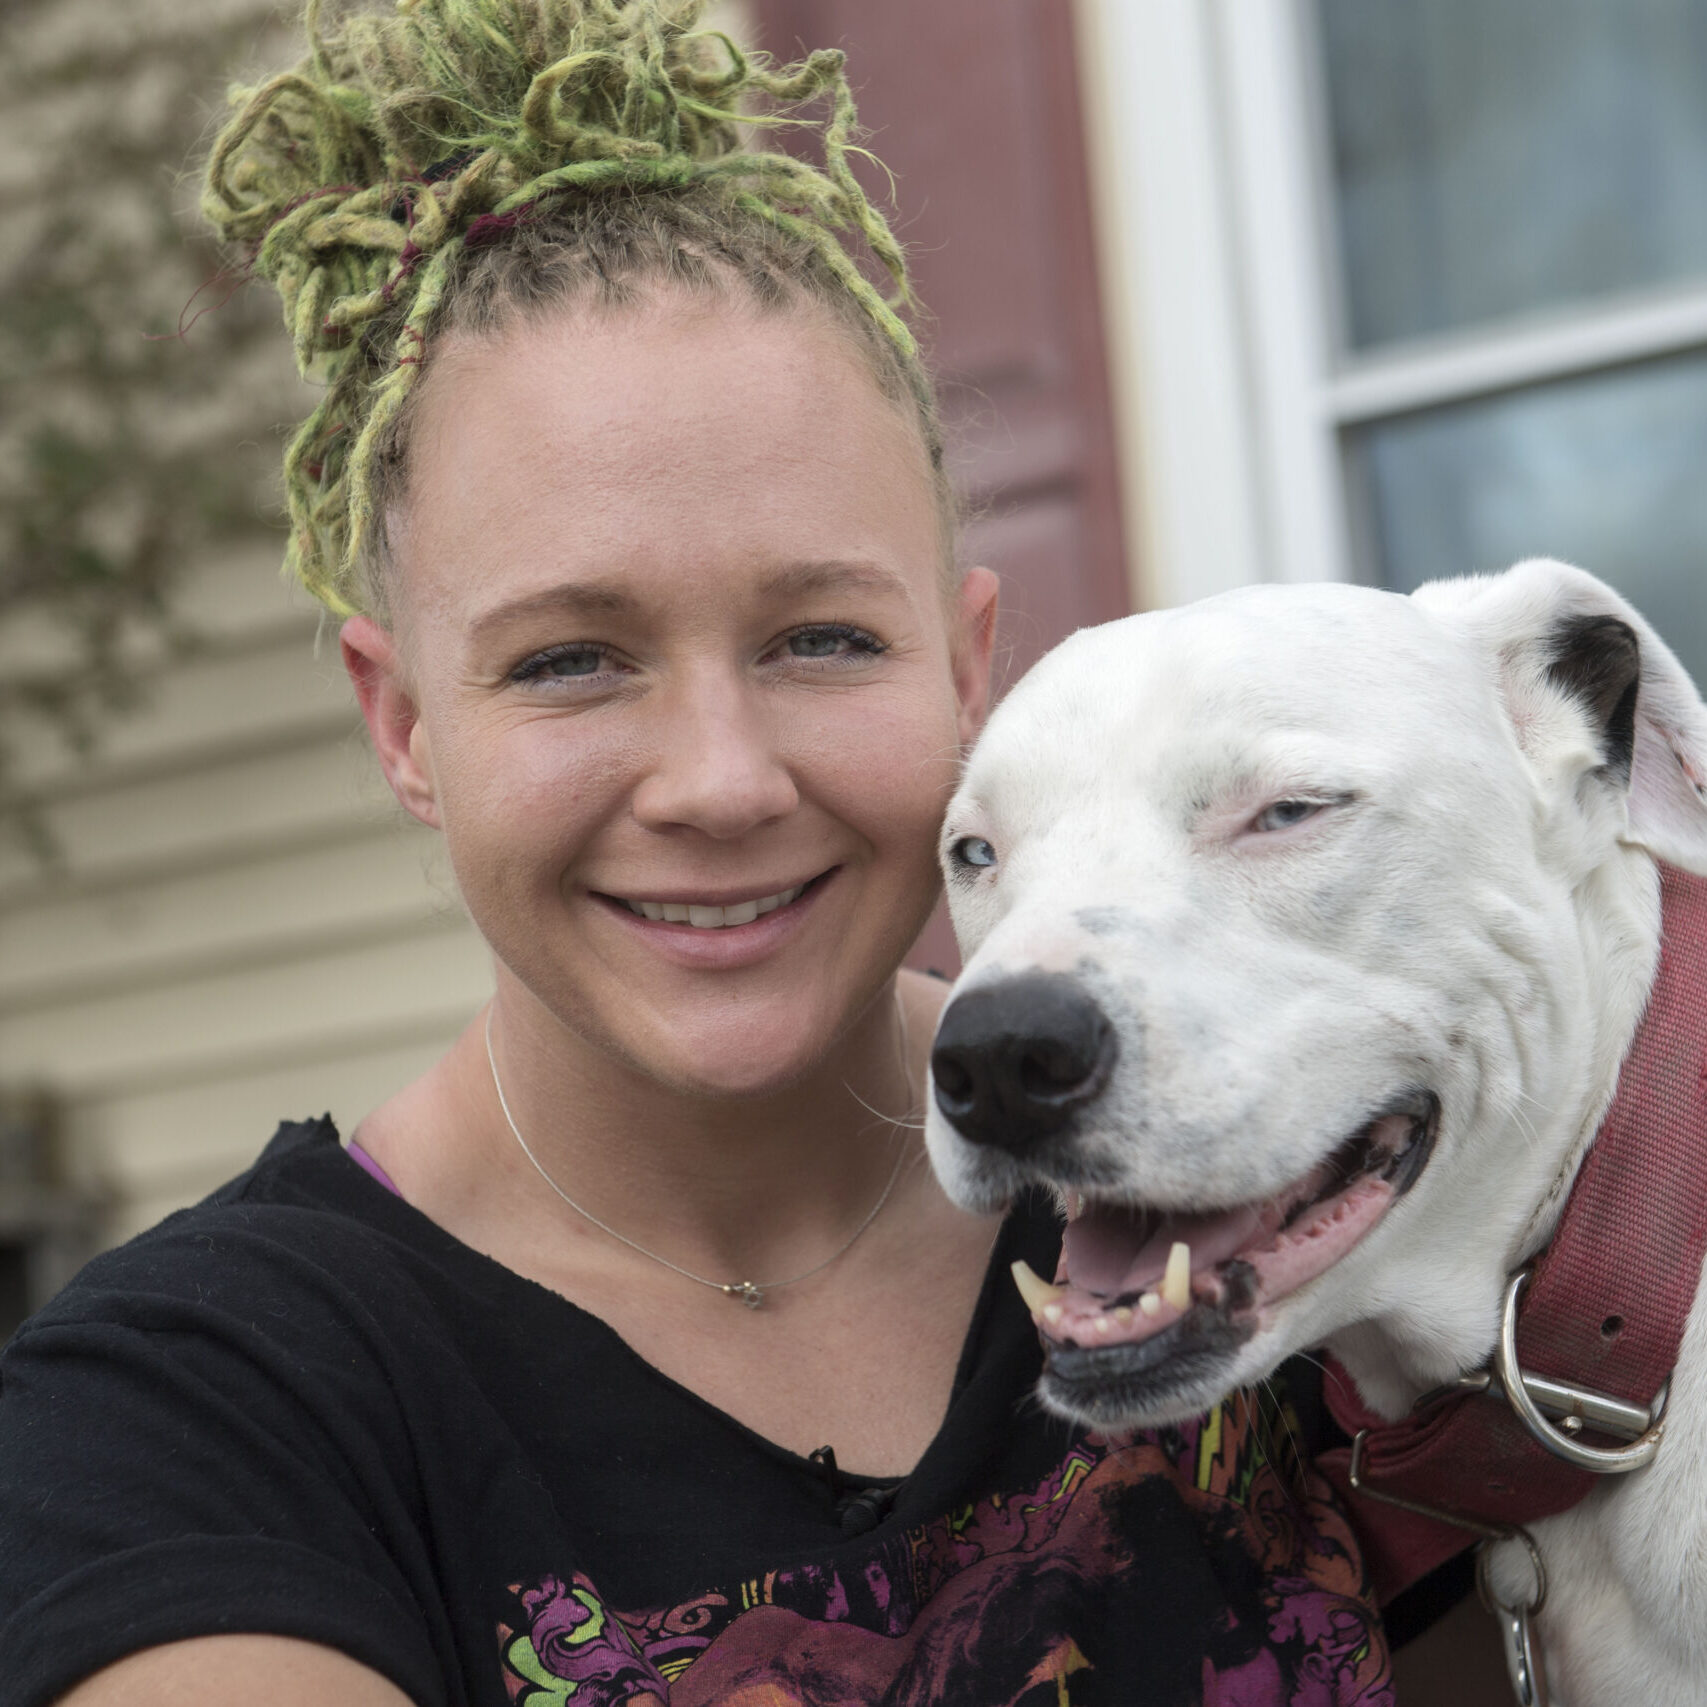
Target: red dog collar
1604, 1308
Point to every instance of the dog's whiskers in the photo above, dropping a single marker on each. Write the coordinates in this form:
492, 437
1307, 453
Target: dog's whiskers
896, 1120
1277, 1409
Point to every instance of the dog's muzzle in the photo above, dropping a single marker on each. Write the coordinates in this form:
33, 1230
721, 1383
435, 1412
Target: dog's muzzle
1016, 1060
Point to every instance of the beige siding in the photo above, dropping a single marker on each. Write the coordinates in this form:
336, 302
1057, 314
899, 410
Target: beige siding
160, 1149
245, 926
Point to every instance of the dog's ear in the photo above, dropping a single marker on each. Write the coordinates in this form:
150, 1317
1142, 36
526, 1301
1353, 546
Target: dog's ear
1568, 648
1597, 660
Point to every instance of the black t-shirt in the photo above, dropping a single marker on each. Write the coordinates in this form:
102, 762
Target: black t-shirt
303, 1408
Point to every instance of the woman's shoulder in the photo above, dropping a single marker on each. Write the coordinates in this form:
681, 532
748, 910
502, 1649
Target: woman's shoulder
215, 1426
301, 1238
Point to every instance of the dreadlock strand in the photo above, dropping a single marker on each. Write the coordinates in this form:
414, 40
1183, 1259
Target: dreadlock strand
387, 405
498, 153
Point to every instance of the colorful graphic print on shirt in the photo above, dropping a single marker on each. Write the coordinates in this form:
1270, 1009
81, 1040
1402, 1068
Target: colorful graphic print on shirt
1180, 1566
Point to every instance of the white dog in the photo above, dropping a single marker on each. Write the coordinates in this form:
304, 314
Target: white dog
1307, 927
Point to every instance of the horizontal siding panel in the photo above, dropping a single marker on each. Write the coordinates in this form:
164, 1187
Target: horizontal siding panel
265, 909
234, 598
208, 1027
297, 795
206, 706
242, 593
180, 1144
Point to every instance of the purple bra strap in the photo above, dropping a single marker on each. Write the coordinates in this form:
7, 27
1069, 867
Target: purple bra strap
358, 1154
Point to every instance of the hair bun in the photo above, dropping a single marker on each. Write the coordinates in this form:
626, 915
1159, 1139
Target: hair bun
408, 136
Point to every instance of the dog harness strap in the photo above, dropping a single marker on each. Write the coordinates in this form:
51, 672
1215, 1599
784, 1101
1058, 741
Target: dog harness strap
1606, 1303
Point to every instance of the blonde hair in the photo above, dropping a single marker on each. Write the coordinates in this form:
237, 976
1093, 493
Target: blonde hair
455, 163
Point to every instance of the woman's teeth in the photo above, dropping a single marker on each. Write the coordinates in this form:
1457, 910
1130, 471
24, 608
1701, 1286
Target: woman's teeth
713, 918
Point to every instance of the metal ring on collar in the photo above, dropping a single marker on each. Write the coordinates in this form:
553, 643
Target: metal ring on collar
1517, 1624
1484, 1590
1520, 1389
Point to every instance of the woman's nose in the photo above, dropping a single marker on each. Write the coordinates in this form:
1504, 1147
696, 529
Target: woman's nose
716, 767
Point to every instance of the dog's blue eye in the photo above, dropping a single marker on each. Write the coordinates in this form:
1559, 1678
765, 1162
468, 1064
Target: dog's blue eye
1283, 814
974, 851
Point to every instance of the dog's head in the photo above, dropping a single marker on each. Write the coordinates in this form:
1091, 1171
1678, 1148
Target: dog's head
1305, 928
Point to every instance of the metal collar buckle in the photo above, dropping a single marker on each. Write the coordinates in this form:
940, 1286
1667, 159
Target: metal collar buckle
1535, 1399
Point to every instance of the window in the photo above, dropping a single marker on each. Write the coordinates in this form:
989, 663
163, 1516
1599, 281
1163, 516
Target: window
1458, 252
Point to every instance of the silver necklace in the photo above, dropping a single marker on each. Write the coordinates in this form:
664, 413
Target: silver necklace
750, 1292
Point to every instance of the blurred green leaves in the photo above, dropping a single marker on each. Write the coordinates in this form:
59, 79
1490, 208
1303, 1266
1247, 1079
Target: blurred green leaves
129, 454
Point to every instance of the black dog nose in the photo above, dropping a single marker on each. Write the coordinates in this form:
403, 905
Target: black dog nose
1014, 1061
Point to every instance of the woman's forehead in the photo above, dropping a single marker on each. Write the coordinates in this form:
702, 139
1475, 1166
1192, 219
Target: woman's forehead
600, 443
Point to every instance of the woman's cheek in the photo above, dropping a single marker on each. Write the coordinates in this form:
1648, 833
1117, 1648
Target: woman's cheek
537, 793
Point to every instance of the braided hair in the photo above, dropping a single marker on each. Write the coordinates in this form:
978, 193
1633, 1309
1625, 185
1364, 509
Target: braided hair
453, 164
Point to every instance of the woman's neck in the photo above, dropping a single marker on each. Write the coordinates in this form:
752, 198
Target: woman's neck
724, 1186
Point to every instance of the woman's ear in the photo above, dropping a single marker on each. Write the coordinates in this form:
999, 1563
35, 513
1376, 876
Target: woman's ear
974, 648
375, 665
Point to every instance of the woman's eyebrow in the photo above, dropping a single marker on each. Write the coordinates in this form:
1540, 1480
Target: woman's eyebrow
613, 598
835, 575
571, 598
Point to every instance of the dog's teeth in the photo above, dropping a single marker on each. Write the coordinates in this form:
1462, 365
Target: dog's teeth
1176, 1277
1123, 1312
1150, 1303
1102, 1327
1052, 1313
1038, 1294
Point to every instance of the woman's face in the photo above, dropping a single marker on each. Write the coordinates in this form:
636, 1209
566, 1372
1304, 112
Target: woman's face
672, 633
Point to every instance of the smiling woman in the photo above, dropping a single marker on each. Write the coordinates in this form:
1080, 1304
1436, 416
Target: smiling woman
757, 688
629, 489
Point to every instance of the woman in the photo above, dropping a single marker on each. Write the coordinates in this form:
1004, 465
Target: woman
632, 1353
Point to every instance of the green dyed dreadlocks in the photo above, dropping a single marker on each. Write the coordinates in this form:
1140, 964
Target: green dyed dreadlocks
404, 141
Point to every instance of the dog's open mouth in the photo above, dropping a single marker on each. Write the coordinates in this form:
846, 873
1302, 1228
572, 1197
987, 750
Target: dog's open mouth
1130, 1273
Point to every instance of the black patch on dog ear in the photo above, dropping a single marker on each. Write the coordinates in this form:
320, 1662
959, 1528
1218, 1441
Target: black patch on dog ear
1599, 660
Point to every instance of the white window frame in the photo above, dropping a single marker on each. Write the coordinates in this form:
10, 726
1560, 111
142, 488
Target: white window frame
1219, 275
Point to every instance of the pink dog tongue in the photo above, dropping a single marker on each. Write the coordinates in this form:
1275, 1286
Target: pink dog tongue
1111, 1251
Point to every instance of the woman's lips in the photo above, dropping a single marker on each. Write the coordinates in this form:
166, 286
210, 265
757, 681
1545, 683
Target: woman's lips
730, 943
713, 916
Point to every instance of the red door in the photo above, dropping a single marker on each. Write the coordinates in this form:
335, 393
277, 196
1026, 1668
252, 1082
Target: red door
973, 105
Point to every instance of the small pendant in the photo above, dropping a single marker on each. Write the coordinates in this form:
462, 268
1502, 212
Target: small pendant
747, 1292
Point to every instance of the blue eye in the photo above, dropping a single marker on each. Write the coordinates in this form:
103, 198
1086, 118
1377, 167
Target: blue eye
581, 661
561, 663
1283, 814
973, 851
831, 640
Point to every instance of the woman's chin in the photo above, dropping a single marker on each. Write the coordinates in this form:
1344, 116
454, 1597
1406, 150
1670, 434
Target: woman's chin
733, 1063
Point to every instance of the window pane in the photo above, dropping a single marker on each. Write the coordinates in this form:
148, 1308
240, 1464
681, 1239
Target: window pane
1606, 471
1494, 156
